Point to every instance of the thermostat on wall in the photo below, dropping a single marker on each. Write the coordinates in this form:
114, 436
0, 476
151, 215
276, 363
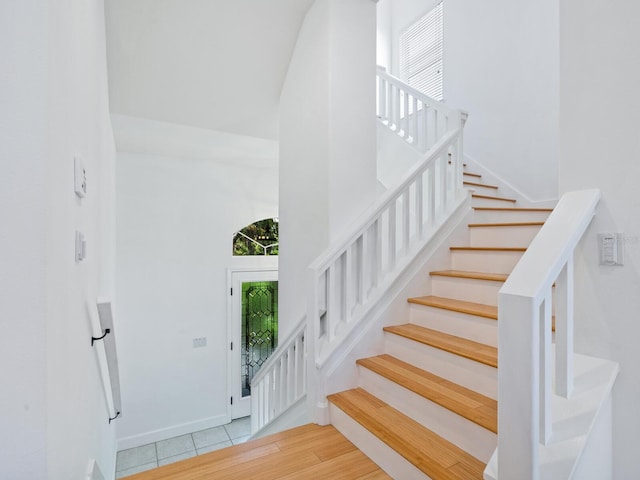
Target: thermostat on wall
80, 177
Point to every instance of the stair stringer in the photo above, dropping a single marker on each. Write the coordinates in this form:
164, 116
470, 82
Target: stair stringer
340, 371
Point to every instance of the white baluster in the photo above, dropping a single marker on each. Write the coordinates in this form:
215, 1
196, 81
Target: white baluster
545, 369
564, 330
419, 205
415, 133
406, 114
442, 183
392, 232
349, 284
406, 220
431, 194
426, 140
360, 265
376, 252
333, 307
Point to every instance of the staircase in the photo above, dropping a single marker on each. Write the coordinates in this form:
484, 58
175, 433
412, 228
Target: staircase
425, 402
427, 407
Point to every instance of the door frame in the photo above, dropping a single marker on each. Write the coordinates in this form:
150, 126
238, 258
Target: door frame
235, 278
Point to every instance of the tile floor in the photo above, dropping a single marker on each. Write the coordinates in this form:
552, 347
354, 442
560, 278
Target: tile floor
146, 457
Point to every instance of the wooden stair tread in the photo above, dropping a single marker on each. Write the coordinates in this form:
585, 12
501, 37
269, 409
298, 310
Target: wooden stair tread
513, 209
477, 175
495, 277
471, 308
489, 197
427, 451
475, 184
461, 400
507, 224
478, 352
490, 249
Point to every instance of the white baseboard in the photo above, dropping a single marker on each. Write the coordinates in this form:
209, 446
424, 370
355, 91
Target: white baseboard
169, 432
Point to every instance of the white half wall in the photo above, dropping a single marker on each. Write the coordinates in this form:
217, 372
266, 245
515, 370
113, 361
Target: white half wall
327, 140
500, 65
599, 147
177, 210
53, 91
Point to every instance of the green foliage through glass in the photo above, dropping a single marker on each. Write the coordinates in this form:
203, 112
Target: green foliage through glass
259, 238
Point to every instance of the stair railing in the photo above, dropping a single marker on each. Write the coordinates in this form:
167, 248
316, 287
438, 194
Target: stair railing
346, 282
350, 278
280, 383
525, 333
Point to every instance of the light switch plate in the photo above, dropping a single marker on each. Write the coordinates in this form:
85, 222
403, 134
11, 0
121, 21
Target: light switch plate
80, 177
81, 246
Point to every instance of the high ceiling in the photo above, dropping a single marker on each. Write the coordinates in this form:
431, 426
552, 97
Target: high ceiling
215, 64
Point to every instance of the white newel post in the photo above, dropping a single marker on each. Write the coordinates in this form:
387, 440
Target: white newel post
519, 363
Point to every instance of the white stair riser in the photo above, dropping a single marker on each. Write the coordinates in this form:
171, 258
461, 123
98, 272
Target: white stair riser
484, 261
502, 236
468, 373
486, 202
466, 289
384, 456
471, 327
467, 435
499, 216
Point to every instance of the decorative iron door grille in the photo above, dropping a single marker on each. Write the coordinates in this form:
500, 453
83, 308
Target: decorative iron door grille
259, 328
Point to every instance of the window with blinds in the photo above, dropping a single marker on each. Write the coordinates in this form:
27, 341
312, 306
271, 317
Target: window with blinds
421, 54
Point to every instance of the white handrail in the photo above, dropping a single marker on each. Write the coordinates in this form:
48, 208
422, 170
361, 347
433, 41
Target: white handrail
348, 279
524, 338
281, 381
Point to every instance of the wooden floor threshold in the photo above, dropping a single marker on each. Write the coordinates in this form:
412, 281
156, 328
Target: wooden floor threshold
478, 352
471, 308
309, 451
507, 224
430, 453
489, 197
471, 405
494, 277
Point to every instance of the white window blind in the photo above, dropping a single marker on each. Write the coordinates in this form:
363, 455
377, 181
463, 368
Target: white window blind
421, 54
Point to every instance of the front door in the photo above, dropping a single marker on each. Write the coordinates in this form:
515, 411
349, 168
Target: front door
254, 329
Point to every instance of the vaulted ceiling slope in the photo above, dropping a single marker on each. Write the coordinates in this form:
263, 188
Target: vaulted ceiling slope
215, 64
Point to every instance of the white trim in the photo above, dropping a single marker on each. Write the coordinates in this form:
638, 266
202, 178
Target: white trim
170, 432
230, 334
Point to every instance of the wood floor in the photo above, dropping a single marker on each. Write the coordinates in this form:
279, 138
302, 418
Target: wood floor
307, 452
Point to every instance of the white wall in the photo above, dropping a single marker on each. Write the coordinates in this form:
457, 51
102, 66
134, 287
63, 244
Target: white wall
327, 139
54, 96
599, 121
500, 65
177, 210
23, 143
211, 64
